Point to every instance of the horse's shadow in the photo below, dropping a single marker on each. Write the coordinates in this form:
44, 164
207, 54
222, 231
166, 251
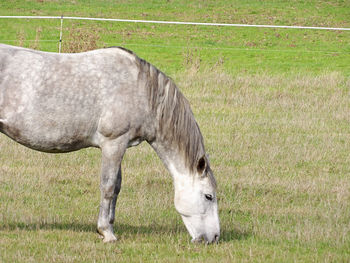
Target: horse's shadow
227, 235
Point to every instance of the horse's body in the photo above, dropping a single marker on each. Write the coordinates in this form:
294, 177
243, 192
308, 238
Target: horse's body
109, 99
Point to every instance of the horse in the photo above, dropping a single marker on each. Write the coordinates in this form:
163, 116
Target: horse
109, 99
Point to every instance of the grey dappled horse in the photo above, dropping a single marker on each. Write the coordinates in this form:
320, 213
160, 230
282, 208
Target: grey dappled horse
109, 99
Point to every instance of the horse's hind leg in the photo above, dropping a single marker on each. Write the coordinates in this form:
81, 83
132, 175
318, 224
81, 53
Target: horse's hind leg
112, 154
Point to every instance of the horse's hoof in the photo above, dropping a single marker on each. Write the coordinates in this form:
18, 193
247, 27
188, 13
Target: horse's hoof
109, 239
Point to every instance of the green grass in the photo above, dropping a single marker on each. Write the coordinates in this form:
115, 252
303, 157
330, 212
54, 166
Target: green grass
240, 50
273, 106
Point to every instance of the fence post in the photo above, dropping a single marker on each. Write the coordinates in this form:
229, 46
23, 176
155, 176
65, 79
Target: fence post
60, 43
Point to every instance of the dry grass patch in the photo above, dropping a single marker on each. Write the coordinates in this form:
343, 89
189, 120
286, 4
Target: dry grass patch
80, 39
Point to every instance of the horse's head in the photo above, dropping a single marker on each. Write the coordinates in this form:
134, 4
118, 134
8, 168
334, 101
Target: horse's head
196, 201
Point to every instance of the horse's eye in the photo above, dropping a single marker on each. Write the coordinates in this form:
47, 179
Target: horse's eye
209, 197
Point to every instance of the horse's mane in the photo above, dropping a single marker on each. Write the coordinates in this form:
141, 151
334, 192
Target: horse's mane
177, 125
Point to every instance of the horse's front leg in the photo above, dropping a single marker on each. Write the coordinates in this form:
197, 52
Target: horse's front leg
116, 193
112, 154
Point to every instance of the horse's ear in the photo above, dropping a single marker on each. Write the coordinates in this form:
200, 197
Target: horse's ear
201, 165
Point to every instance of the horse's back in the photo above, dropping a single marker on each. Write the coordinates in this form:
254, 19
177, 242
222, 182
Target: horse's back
54, 102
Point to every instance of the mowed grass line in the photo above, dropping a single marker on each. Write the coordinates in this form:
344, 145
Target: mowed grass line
279, 147
172, 47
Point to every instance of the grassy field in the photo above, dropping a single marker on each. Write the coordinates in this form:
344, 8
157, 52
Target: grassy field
274, 109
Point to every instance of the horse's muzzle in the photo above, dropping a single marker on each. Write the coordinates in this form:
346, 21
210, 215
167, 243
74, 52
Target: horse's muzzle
205, 239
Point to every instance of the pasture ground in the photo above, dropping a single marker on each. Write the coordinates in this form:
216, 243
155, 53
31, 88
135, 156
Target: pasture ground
274, 109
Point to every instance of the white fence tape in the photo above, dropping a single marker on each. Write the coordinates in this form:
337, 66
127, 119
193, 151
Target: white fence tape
176, 23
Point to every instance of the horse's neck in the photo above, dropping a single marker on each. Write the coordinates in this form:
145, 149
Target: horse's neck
171, 157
